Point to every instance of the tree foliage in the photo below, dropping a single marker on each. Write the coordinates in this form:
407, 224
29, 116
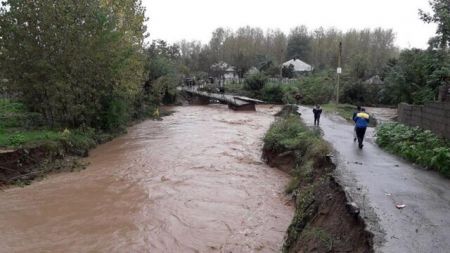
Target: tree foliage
440, 16
365, 51
78, 63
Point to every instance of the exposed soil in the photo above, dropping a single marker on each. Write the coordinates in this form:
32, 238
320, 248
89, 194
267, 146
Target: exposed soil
23, 165
325, 221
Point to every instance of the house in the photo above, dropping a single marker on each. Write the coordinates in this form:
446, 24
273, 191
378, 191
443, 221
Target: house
299, 65
223, 70
230, 73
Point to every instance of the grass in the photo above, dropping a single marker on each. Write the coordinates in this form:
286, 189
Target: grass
18, 129
320, 235
291, 134
416, 145
17, 138
343, 110
346, 111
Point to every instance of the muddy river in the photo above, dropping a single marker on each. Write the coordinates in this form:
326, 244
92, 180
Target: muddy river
193, 182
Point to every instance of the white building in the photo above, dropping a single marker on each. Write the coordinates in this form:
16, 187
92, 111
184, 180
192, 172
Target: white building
299, 66
230, 73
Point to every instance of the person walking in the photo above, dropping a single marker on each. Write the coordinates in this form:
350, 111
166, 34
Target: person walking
361, 122
358, 110
317, 111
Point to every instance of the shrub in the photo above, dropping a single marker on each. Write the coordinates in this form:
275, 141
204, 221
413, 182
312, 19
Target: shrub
291, 134
288, 71
255, 82
272, 93
165, 89
317, 89
416, 145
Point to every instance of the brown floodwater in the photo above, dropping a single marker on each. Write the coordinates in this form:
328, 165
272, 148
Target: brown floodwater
193, 182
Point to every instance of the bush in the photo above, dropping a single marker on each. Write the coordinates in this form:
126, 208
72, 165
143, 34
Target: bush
317, 89
165, 89
416, 145
116, 114
272, 93
255, 82
288, 71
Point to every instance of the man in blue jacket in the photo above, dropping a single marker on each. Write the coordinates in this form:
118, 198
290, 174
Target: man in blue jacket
361, 123
358, 110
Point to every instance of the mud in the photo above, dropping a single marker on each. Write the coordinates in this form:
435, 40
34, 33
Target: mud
193, 182
327, 223
26, 164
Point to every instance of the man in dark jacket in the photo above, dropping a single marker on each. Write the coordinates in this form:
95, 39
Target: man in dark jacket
361, 122
317, 111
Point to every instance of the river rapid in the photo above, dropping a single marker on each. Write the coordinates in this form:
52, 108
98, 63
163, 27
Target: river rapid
193, 182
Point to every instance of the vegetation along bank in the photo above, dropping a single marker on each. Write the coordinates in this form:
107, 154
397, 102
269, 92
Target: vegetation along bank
416, 145
324, 220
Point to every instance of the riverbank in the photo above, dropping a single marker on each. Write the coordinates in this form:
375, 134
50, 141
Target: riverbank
29, 151
325, 220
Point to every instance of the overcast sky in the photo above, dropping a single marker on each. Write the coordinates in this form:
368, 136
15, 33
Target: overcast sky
174, 20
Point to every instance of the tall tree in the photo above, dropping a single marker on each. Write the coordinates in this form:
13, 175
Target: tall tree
75, 62
299, 44
441, 16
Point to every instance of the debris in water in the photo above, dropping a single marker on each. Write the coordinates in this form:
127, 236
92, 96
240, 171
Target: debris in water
164, 178
400, 206
388, 194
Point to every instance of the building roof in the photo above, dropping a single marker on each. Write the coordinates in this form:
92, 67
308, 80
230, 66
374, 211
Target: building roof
299, 65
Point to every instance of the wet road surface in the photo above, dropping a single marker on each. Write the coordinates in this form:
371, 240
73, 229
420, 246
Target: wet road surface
378, 181
193, 182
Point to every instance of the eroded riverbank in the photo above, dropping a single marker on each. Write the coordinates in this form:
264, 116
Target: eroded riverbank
193, 182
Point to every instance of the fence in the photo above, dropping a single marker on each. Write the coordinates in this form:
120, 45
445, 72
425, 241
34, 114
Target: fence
434, 116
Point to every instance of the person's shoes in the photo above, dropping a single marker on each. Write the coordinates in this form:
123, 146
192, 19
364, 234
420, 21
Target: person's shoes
354, 139
361, 146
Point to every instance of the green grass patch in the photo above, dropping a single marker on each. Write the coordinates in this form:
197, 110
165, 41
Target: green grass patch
13, 139
20, 128
416, 145
346, 111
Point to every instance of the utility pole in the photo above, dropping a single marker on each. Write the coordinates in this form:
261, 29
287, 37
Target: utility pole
339, 71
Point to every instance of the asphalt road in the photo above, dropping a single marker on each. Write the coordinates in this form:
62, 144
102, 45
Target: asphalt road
378, 181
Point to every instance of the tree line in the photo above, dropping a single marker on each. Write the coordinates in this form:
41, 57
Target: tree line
403, 75
365, 51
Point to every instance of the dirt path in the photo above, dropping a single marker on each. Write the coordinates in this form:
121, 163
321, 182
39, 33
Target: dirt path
193, 182
378, 181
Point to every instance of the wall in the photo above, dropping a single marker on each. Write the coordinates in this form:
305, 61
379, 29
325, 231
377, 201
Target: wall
434, 116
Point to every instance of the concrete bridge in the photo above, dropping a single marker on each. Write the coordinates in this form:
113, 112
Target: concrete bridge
238, 103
